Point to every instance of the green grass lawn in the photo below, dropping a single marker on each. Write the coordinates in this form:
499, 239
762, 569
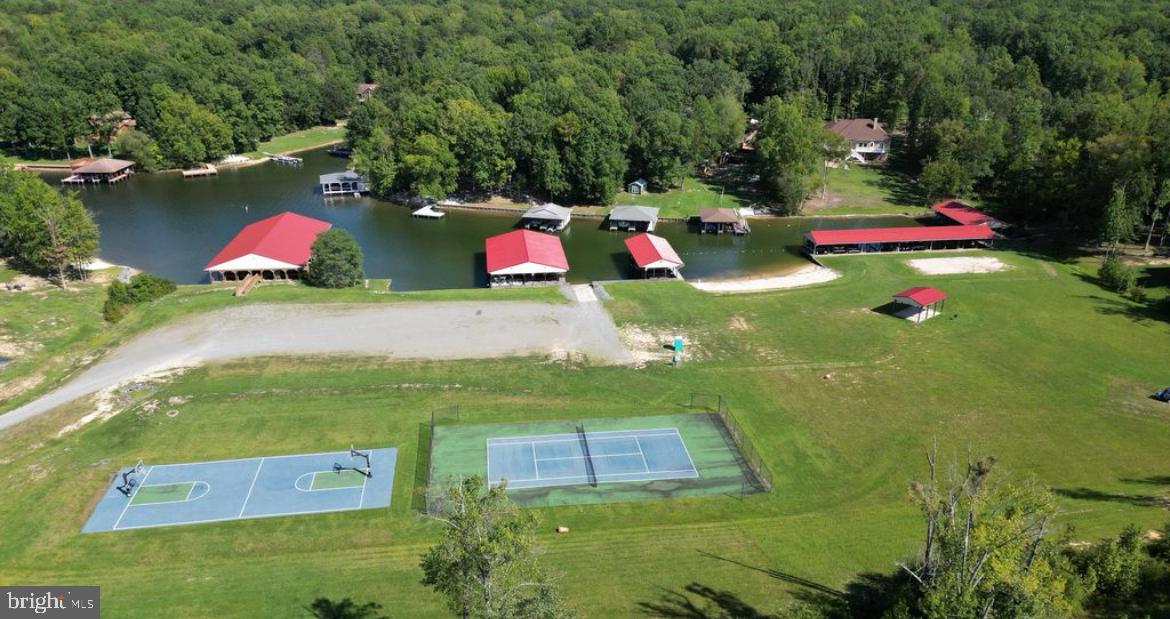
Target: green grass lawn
305, 139
6, 159
686, 202
1037, 366
866, 190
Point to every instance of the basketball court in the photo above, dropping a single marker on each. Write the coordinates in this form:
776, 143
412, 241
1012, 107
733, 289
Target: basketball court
162, 495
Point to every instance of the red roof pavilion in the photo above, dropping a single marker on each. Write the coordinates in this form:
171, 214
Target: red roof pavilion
964, 214
920, 296
909, 234
279, 242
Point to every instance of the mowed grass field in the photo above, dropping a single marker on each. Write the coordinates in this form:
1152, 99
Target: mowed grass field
1036, 365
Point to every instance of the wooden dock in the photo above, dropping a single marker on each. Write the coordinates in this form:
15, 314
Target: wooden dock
207, 170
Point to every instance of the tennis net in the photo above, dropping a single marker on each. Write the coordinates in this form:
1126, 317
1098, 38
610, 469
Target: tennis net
589, 471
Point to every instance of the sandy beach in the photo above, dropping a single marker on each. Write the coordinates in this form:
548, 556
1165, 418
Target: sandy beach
805, 276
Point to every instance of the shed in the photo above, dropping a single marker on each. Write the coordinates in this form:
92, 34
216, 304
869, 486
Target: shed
548, 217
637, 187
721, 220
633, 217
276, 247
364, 90
524, 257
104, 170
342, 183
653, 255
920, 303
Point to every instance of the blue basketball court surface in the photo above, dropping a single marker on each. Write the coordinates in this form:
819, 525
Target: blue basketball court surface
572, 459
194, 492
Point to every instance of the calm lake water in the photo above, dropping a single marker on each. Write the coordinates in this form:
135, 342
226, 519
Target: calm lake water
172, 226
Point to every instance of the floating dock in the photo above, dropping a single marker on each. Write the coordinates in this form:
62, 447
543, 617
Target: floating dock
207, 170
428, 212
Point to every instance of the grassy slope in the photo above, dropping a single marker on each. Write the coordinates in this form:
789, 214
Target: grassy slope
1040, 368
685, 202
867, 190
305, 139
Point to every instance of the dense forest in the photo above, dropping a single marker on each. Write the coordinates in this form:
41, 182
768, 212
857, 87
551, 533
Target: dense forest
1045, 109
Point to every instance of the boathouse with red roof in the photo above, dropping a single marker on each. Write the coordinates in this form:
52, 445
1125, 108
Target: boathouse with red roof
908, 238
276, 247
653, 255
525, 257
958, 212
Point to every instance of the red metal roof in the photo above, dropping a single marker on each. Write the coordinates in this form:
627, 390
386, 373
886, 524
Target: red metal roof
921, 295
520, 246
965, 214
901, 235
650, 248
286, 237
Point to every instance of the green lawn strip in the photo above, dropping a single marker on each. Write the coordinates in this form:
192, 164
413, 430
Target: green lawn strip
1040, 368
327, 480
306, 139
695, 194
162, 493
868, 190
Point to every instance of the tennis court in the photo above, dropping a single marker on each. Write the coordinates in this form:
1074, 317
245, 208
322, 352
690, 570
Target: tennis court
589, 457
598, 460
162, 495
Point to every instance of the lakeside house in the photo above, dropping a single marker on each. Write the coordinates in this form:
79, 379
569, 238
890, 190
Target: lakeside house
364, 91
342, 183
868, 140
722, 220
653, 255
276, 247
633, 218
525, 257
548, 217
107, 170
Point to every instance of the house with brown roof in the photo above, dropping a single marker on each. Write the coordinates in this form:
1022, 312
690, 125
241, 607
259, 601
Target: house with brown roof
868, 140
364, 91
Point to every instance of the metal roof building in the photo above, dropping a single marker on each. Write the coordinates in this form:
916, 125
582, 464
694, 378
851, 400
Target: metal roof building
277, 247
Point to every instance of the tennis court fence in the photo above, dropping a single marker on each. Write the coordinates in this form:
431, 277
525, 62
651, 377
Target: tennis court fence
433, 491
714, 403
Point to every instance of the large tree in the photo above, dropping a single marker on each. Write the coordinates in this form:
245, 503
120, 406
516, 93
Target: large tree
788, 150
335, 260
42, 228
187, 133
485, 564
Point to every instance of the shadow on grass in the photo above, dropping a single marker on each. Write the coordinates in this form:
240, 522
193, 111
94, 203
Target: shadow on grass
1089, 494
418, 500
325, 608
698, 601
1153, 480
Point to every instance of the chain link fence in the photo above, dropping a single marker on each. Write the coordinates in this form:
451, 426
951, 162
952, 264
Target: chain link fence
714, 403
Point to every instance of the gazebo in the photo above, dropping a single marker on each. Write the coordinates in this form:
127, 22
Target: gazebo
654, 255
276, 247
920, 303
524, 257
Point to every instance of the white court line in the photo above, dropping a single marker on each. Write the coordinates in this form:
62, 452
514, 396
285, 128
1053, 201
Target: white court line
194, 484
560, 437
535, 465
645, 465
229, 518
252, 487
632, 453
297, 482
131, 497
686, 451
277, 457
608, 475
362, 498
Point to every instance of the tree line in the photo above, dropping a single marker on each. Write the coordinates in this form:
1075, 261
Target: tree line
1044, 109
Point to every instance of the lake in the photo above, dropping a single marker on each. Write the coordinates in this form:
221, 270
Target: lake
172, 226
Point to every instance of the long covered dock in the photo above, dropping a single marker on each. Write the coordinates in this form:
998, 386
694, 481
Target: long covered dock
911, 238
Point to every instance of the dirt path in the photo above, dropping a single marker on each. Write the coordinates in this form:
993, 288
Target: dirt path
454, 330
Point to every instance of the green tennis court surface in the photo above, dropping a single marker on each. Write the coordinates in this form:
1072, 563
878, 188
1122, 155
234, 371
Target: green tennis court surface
340, 479
616, 459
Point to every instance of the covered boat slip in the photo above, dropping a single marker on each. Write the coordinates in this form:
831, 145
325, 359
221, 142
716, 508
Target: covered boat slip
721, 221
342, 183
107, 171
523, 258
654, 256
633, 218
878, 240
546, 217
